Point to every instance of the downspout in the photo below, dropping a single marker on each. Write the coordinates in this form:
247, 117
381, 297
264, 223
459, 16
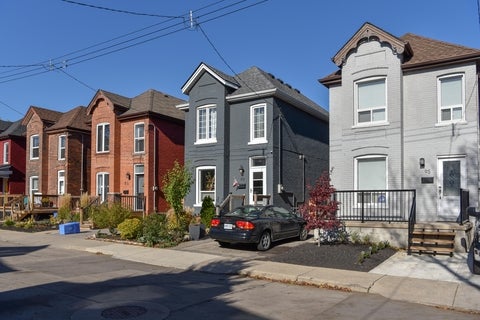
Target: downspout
81, 168
155, 186
280, 180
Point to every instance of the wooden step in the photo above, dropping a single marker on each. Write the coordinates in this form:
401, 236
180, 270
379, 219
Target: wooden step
432, 241
431, 233
432, 250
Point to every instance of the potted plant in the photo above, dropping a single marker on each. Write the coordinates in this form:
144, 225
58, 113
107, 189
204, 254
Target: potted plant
196, 228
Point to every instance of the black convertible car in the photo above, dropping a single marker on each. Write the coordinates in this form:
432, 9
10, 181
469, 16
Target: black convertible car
260, 225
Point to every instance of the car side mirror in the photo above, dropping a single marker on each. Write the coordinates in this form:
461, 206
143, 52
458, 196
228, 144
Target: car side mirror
471, 211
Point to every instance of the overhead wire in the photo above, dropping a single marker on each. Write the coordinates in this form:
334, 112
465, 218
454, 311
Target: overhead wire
93, 54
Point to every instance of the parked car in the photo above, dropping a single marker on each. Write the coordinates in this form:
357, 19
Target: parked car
260, 225
476, 240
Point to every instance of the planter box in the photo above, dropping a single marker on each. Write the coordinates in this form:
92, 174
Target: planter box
197, 231
70, 227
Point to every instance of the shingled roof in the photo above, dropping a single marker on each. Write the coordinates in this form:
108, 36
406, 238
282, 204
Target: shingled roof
256, 83
76, 118
420, 51
48, 116
15, 129
156, 102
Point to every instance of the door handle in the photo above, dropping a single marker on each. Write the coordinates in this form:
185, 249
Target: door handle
439, 192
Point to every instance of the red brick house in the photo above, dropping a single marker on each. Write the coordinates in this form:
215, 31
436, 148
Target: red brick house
69, 153
12, 157
37, 120
134, 142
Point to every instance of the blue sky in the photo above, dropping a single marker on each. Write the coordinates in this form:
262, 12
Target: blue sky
55, 54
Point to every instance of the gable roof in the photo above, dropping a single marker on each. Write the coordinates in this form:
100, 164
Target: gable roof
155, 102
48, 116
4, 125
223, 78
76, 118
256, 83
418, 52
15, 129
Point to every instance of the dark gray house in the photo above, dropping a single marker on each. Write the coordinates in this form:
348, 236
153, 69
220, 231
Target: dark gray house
251, 134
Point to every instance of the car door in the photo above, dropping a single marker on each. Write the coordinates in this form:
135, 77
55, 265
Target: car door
271, 221
287, 221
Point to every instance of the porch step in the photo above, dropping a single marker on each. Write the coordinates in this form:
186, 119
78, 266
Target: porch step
432, 240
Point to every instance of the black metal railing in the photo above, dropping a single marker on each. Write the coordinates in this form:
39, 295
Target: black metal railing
375, 205
412, 219
464, 204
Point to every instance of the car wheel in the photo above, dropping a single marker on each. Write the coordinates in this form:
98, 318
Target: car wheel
265, 241
303, 234
224, 244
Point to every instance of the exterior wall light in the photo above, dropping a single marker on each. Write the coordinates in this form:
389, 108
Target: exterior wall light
241, 170
422, 163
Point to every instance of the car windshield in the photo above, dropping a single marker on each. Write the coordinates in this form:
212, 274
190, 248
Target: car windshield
246, 211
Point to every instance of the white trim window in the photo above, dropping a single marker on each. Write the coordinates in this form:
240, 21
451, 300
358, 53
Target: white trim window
103, 184
205, 185
207, 124
62, 140
34, 146
103, 137
371, 174
451, 98
61, 182
371, 101
258, 120
139, 138
6, 153
34, 185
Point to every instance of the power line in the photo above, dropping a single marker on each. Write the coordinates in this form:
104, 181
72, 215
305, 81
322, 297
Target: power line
93, 54
11, 108
121, 11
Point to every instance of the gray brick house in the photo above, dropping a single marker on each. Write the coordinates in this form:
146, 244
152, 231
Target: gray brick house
251, 134
404, 115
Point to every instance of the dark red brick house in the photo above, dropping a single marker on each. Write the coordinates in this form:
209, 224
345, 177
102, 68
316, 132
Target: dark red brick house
12, 157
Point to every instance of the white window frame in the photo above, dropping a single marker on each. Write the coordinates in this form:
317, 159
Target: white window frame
210, 125
6, 153
262, 139
200, 194
138, 139
62, 149
382, 198
60, 181
37, 190
450, 107
104, 193
32, 147
373, 109
103, 149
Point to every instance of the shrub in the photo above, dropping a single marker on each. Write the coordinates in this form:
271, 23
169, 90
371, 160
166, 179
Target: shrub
130, 228
154, 229
207, 212
64, 213
109, 216
175, 186
9, 222
179, 222
320, 210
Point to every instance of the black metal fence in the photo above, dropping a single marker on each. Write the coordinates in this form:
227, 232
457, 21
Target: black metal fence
375, 205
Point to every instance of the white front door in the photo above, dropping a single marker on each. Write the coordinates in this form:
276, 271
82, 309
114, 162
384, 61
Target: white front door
452, 176
258, 177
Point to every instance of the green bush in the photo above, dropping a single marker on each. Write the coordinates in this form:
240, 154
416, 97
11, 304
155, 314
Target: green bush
109, 216
130, 228
9, 222
207, 212
154, 229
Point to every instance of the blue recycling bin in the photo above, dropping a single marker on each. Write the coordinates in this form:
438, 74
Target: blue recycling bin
69, 228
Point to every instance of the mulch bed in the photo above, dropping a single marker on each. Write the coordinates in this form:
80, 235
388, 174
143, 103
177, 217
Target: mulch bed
337, 256
34, 228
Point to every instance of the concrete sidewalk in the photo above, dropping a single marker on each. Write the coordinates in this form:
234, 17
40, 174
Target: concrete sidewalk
431, 280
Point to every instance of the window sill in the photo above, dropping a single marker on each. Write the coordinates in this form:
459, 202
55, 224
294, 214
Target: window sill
212, 141
449, 123
371, 124
263, 141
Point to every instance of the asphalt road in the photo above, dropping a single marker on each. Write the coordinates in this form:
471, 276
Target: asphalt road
40, 282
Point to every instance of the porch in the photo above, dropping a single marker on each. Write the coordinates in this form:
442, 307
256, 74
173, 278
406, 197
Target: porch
391, 215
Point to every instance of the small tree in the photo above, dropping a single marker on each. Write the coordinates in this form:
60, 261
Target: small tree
207, 212
176, 185
320, 210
